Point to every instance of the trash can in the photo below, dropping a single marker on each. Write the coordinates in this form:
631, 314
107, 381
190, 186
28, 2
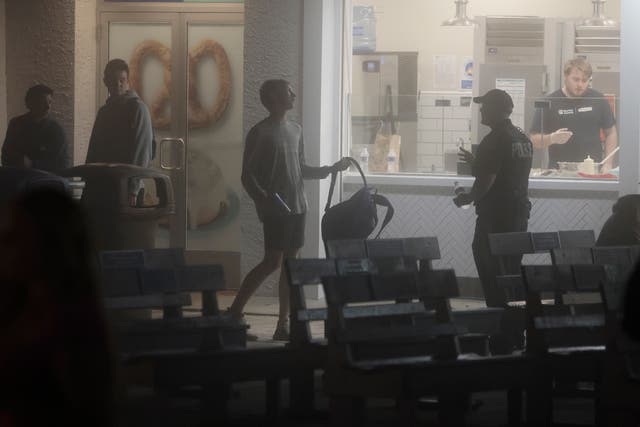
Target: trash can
116, 221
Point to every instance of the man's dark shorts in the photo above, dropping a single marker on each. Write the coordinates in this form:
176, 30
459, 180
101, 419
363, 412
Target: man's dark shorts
284, 232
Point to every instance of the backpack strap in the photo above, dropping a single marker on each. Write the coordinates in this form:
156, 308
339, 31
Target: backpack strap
334, 176
383, 201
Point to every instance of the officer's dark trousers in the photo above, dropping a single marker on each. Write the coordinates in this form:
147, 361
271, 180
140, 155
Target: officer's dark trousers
502, 219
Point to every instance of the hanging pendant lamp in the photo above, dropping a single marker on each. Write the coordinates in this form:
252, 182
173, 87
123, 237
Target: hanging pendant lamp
598, 19
461, 19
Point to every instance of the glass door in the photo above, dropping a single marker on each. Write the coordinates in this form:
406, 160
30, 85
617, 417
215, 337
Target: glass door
147, 42
214, 110
187, 68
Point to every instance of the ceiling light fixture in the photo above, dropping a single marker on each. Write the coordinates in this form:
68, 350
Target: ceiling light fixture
598, 19
461, 19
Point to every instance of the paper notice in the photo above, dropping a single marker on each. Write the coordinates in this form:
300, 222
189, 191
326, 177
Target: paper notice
445, 74
516, 88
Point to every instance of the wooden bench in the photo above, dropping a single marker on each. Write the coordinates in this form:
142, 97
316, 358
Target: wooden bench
382, 346
140, 281
577, 238
478, 322
303, 273
570, 333
504, 245
187, 349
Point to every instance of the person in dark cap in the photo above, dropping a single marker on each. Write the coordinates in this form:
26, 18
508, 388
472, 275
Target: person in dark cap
34, 140
501, 169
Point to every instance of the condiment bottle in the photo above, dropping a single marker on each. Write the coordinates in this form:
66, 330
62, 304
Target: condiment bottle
588, 166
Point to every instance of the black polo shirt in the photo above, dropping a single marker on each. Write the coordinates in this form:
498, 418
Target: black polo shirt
584, 116
506, 152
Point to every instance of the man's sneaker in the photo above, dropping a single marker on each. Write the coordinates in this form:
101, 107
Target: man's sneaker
281, 333
227, 314
240, 320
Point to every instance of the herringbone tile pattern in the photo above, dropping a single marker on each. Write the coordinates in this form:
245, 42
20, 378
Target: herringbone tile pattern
419, 214
436, 215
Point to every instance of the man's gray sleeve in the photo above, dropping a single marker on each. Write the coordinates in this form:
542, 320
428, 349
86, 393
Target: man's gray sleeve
143, 140
143, 135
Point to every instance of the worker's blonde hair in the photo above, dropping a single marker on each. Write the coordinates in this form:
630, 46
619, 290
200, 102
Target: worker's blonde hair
580, 64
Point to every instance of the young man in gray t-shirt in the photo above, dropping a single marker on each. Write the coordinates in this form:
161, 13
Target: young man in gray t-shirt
273, 170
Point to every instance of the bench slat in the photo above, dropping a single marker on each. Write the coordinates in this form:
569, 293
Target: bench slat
201, 278
355, 312
561, 322
397, 333
309, 271
157, 301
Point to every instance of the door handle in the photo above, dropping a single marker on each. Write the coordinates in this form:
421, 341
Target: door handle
169, 166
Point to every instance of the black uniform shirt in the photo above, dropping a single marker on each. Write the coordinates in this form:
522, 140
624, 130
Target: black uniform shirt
584, 116
506, 152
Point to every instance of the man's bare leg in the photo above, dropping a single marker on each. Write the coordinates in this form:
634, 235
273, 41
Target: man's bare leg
271, 262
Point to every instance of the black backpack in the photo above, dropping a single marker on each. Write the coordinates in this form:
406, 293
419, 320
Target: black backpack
357, 217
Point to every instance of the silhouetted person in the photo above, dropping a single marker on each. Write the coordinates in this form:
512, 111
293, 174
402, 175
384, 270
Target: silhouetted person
55, 363
620, 389
500, 190
273, 170
622, 228
122, 132
34, 140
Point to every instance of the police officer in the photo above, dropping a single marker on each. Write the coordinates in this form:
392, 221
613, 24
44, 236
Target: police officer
501, 169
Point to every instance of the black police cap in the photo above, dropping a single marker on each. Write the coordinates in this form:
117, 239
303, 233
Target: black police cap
496, 98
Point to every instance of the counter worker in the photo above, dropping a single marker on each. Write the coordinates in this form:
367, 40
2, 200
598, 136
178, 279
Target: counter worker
500, 191
573, 121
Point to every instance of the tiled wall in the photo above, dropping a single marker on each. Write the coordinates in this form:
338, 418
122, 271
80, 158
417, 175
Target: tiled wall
429, 211
444, 121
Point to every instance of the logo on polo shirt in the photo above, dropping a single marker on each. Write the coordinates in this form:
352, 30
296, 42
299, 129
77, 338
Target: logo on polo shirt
584, 109
564, 112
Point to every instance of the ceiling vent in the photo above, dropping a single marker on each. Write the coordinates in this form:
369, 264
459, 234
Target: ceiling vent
597, 39
515, 31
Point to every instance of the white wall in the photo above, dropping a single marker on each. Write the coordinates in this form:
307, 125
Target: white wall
3, 73
321, 113
414, 25
85, 71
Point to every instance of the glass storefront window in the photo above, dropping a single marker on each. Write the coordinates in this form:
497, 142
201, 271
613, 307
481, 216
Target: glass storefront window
412, 82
